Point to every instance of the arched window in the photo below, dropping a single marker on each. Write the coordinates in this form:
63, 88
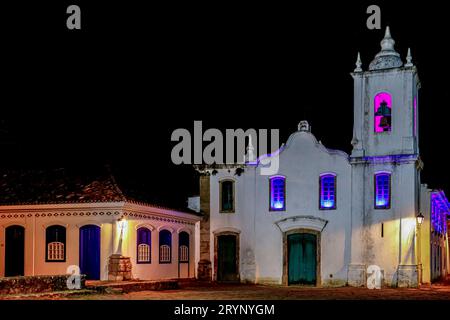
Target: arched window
383, 112
165, 246
144, 245
277, 194
227, 196
183, 239
55, 240
382, 190
327, 192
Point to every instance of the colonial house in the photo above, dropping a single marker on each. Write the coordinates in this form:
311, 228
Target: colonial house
329, 218
52, 223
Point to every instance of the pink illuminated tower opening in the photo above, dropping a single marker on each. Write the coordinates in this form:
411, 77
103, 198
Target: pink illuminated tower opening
383, 112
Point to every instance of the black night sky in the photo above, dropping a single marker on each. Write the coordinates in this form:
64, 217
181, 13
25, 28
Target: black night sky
113, 92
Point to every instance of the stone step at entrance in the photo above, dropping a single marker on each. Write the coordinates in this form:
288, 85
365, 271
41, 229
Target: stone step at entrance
131, 286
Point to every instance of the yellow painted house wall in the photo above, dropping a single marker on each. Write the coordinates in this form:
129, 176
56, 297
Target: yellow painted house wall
424, 235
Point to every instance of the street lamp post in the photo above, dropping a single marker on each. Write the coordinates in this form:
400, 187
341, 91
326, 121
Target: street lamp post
419, 220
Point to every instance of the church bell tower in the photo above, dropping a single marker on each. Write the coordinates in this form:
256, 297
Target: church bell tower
385, 168
386, 104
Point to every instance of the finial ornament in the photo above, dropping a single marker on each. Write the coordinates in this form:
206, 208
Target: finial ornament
358, 64
387, 44
304, 126
387, 58
409, 59
250, 151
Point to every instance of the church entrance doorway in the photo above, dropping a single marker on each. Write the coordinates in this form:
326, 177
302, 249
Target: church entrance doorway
301, 257
227, 257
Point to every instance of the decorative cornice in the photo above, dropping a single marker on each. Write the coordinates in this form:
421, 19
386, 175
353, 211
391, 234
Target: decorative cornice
389, 159
305, 222
131, 210
55, 213
146, 216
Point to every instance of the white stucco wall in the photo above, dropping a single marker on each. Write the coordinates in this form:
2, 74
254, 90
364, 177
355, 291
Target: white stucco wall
302, 161
397, 244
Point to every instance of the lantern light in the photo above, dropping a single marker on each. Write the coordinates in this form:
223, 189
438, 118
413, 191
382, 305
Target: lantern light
420, 218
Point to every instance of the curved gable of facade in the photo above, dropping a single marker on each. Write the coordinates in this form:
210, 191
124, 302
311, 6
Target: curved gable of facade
305, 141
303, 149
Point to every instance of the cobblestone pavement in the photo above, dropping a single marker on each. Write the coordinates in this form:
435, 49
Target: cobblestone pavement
260, 292
214, 291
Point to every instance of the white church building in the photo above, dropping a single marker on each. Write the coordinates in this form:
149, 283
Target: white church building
328, 218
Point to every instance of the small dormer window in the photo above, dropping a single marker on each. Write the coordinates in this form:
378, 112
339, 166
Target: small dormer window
383, 112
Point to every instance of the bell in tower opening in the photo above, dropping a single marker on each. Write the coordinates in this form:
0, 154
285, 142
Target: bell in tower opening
383, 113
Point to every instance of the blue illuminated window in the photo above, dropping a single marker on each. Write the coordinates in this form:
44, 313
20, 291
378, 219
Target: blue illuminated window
382, 191
144, 238
277, 194
328, 192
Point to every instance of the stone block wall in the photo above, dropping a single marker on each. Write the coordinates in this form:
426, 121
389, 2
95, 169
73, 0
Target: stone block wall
35, 284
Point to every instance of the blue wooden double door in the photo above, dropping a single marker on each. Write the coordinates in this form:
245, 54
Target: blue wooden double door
302, 258
90, 251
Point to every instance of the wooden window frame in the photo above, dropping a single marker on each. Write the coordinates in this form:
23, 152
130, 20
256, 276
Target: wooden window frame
233, 204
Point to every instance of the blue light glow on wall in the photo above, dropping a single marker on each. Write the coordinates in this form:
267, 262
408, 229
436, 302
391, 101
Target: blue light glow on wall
440, 208
277, 193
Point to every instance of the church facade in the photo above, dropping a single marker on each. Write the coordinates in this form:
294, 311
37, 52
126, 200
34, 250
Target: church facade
329, 218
